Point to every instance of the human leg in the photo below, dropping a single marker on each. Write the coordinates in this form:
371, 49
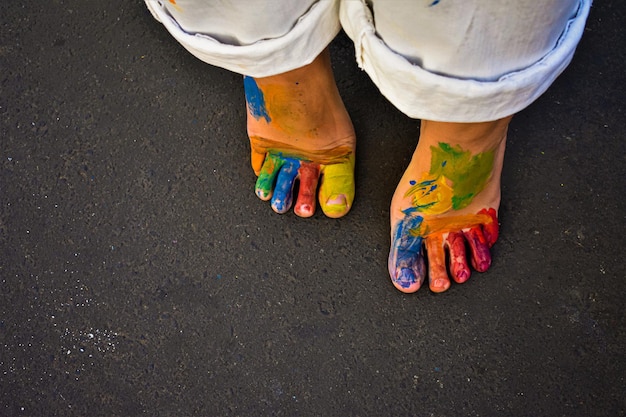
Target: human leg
297, 124
448, 198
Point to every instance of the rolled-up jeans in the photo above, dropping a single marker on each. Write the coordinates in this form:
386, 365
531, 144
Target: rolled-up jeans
440, 60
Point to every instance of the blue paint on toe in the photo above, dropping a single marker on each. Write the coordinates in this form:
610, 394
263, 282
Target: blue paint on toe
434, 3
407, 251
406, 278
283, 191
255, 99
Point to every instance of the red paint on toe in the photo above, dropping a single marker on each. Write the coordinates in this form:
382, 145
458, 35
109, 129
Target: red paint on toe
309, 174
304, 210
459, 269
491, 230
481, 257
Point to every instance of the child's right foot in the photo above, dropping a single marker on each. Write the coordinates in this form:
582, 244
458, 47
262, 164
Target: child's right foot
300, 130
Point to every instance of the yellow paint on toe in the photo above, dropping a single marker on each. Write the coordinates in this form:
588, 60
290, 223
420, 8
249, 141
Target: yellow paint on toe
336, 192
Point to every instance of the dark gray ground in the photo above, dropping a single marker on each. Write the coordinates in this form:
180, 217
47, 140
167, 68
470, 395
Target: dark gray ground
140, 275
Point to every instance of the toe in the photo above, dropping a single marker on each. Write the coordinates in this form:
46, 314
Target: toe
437, 273
407, 270
337, 188
267, 175
490, 230
459, 269
481, 257
406, 258
283, 190
309, 174
256, 160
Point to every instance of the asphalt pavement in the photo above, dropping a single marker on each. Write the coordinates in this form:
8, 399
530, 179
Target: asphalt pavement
140, 275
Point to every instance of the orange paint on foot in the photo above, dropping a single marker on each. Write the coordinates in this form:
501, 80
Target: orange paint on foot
437, 274
339, 154
432, 225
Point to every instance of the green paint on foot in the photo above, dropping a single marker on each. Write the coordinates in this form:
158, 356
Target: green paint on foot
469, 173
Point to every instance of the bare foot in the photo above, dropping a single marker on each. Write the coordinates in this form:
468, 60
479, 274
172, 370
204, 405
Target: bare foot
300, 130
447, 200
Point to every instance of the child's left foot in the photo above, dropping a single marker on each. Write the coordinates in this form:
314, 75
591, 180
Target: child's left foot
447, 201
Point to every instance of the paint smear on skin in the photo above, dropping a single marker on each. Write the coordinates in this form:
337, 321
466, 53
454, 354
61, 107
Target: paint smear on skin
431, 196
406, 254
255, 99
335, 155
336, 193
287, 111
434, 3
265, 181
458, 261
291, 111
446, 224
455, 178
481, 257
406, 258
276, 179
491, 230
337, 190
438, 275
308, 173
469, 173
283, 190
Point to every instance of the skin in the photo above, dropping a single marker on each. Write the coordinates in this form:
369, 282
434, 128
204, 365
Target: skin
299, 130
445, 206
447, 201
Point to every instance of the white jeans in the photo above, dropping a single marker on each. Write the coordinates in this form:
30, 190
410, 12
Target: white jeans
442, 60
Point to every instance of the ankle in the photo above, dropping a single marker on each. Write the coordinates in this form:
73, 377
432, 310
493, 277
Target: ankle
476, 137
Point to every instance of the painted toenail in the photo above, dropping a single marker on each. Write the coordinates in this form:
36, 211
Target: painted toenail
304, 210
483, 266
462, 276
338, 200
440, 283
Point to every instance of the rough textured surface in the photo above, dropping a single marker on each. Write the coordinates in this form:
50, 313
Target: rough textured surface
140, 275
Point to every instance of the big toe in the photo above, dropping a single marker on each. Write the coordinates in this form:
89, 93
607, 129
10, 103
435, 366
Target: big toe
406, 263
336, 192
406, 279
